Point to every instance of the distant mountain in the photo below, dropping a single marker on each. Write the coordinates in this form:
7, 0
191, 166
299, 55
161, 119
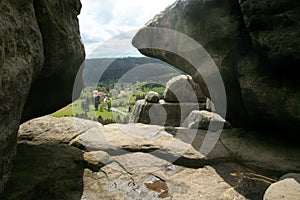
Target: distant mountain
128, 69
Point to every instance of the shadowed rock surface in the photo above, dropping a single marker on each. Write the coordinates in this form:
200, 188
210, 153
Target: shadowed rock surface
255, 45
181, 96
40, 54
288, 187
135, 161
64, 54
163, 113
182, 88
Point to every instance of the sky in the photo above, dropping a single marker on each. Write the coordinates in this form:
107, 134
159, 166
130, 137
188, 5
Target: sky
107, 26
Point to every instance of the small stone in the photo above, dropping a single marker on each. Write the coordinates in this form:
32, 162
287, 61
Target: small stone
206, 120
152, 97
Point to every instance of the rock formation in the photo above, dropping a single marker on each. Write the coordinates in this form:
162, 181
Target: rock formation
40, 53
255, 45
152, 97
64, 54
163, 113
71, 158
288, 187
203, 119
182, 88
181, 96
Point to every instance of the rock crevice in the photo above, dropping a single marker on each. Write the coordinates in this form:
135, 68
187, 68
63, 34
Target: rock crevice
174, 169
40, 54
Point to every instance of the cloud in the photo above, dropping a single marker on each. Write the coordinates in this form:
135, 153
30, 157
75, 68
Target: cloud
118, 46
103, 19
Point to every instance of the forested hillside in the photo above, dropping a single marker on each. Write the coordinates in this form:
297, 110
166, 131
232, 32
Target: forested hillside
130, 69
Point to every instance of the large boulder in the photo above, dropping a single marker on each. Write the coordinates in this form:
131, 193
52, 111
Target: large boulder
71, 158
21, 58
152, 97
64, 54
163, 113
202, 119
274, 30
178, 145
40, 54
251, 42
182, 88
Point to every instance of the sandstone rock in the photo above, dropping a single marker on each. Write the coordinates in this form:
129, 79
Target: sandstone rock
181, 89
210, 105
181, 146
40, 54
64, 54
50, 171
171, 182
96, 159
251, 42
291, 175
138, 161
163, 113
206, 120
218, 27
152, 97
287, 188
21, 59
61, 175
62, 130
267, 24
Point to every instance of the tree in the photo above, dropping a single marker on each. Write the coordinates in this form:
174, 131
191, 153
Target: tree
97, 102
109, 105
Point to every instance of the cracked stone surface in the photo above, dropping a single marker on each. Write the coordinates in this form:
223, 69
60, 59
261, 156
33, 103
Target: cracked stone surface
71, 158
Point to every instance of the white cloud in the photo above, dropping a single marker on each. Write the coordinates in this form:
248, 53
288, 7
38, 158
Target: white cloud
100, 20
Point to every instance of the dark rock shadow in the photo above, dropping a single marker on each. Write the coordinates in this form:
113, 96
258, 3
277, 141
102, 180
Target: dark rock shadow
48, 171
249, 182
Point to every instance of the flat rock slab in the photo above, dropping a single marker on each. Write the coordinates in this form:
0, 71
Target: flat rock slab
186, 147
59, 172
71, 158
130, 178
53, 130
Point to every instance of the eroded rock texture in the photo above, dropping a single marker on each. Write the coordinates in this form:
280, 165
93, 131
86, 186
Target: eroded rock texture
64, 54
72, 158
255, 45
40, 53
21, 57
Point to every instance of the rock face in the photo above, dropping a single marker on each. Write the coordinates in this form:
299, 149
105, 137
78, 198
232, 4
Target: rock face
287, 188
70, 158
64, 54
181, 96
252, 42
204, 120
152, 97
234, 144
182, 88
40, 53
163, 113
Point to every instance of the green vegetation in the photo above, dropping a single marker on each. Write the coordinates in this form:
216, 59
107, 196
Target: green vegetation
117, 91
128, 69
119, 97
84, 108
